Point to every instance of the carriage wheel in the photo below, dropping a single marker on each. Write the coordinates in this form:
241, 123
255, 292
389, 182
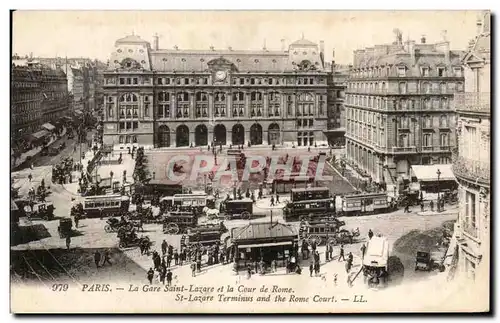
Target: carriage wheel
122, 244
172, 228
246, 215
315, 238
45, 218
108, 228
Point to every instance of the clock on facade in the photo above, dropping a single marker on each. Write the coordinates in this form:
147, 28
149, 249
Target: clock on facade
220, 75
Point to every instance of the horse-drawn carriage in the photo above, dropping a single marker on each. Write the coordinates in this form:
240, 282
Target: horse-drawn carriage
326, 231
176, 222
203, 237
242, 209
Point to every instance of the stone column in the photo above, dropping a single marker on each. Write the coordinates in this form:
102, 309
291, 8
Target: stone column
173, 136
210, 105
192, 104
210, 137
247, 104
173, 105
266, 105
229, 106
191, 137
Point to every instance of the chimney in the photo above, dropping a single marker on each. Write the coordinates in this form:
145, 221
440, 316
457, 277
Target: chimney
282, 45
176, 47
212, 48
422, 40
411, 50
321, 46
230, 48
156, 42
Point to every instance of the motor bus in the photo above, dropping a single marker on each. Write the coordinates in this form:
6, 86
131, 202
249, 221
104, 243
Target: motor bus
310, 193
197, 201
110, 205
295, 211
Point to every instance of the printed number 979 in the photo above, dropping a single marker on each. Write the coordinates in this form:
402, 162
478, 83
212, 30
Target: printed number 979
59, 287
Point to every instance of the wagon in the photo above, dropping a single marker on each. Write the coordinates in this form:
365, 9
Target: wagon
44, 211
178, 222
65, 227
322, 231
238, 209
203, 237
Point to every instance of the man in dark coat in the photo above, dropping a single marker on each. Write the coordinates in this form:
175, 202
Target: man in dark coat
176, 257
150, 275
97, 258
169, 277
164, 246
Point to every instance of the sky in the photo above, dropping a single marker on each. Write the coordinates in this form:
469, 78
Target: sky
93, 33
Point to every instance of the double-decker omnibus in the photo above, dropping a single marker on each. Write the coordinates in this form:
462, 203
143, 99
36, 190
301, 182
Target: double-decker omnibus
309, 193
365, 203
110, 205
295, 211
198, 201
285, 185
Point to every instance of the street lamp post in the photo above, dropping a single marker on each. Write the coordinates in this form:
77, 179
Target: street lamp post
327, 229
438, 199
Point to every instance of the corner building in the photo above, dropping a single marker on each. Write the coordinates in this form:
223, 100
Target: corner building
176, 98
398, 107
471, 162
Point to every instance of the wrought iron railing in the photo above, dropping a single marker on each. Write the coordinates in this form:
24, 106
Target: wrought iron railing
470, 229
473, 102
474, 169
404, 149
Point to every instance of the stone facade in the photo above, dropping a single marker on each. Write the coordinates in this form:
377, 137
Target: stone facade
175, 98
471, 163
39, 95
398, 107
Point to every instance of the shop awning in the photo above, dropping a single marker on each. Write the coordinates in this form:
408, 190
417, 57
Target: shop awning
48, 126
40, 134
270, 244
428, 173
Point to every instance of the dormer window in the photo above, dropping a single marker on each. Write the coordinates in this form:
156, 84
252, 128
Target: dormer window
425, 71
119, 50
128, 64
441, 71
401, 71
